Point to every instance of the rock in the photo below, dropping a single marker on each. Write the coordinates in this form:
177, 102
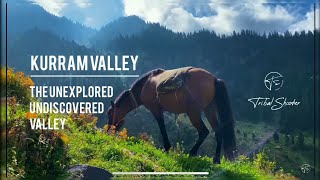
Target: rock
88, 172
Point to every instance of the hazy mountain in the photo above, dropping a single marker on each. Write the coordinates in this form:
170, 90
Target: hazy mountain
23, 16
241, 59
124, 26
47, 43
40, 42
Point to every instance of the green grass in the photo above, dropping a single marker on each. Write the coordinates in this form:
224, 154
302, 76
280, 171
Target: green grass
187, 135
290, 157
87, 144
115, 154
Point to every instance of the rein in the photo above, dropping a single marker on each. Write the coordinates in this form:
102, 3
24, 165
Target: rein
119, 122
133, 99
114, 117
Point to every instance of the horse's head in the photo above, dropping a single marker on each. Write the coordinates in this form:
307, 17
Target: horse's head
115, 116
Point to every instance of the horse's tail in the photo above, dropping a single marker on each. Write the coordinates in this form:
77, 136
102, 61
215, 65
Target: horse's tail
226, 119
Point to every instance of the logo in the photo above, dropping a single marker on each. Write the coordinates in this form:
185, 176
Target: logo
273, 81
305, 168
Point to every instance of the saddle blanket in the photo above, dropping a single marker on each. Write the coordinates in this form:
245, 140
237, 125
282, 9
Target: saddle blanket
171, 80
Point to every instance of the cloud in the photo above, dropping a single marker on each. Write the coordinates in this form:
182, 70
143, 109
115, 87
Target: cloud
306, 23
222, 17
93, 13
54, 6
83, 3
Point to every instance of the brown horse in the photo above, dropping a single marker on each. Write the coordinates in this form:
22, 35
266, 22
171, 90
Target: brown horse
201, 91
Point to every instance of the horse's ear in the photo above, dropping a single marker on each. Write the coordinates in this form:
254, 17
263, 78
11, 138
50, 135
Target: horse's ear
112, 104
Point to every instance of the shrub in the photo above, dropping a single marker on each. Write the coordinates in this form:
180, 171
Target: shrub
292, 139
112, 153
300, 139
261, 161
242, 159
287, 139
85, 121
253, 136
34, 153
245, 135
18, 85
179, 148
145, 137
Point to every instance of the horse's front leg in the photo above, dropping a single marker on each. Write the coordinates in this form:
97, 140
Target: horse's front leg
158, 115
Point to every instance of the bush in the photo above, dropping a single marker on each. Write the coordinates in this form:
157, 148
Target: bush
86, 121
261, 161
245, 135
18, 85
300, 139
287, 139
112, 153
33, 153
253, 136
292, 139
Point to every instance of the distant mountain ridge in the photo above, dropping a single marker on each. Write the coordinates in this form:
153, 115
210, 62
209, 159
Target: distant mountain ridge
241, 58
124, 26
24, 16
43, 43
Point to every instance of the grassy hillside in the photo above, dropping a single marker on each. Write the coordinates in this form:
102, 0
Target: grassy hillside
291, 155
180, 130
42, 153
85, 144
119, 153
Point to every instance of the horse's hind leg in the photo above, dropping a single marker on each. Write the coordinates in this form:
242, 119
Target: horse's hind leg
211, 115
195, 118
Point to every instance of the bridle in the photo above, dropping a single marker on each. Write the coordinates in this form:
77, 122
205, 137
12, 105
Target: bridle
114, 117
134, 103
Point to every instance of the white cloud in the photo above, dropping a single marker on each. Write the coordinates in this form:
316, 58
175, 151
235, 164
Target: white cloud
223, 17
83, 3
152, 11
187, 15
306, 23
93, 13
52, 6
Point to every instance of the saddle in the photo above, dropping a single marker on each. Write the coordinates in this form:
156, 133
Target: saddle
172, 80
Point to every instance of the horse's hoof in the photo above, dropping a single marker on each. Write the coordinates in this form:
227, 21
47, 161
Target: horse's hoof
192, 154
166, 149
216, 160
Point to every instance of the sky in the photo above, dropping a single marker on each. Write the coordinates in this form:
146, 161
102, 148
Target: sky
222, 16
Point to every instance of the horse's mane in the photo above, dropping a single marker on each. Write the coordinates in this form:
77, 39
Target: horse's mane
137, 85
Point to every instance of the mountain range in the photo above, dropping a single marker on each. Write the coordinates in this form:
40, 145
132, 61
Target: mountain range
241, 59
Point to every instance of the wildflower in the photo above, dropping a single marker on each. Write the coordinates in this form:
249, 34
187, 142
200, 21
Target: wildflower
105, 128
124, 133
30, 115
64, 138
144, 136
